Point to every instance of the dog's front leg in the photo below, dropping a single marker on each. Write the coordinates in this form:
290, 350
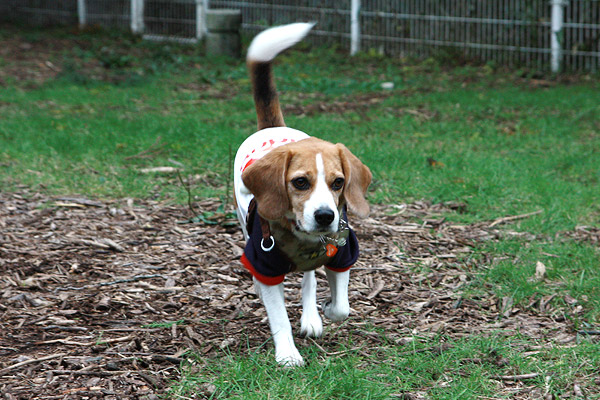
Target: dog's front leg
310, 322
285, 350
338, 308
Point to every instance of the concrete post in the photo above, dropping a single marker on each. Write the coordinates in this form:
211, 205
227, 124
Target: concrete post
223, 32
201, 8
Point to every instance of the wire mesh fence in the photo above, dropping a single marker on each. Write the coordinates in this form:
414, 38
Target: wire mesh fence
332, 17
108, 13
39, 12
506, 32
168, 18
581, 35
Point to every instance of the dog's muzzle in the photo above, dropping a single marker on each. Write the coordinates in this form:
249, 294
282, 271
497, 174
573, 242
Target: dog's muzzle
324, 217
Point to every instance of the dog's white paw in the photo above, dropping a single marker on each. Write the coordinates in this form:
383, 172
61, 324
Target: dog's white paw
289, 357
336, 313
311, 325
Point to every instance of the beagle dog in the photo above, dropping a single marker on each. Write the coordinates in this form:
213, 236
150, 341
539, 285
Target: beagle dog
291, 193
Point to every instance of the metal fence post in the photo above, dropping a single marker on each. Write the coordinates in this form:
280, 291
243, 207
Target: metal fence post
354, 27
81, 12
556, 39
137, 16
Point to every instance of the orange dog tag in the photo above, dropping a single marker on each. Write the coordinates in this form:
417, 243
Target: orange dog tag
331, 250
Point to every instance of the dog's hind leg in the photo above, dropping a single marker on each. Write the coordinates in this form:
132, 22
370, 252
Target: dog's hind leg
285, 350
338, 308
310, 323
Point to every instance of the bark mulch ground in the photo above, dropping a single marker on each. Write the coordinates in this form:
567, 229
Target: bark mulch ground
104, 300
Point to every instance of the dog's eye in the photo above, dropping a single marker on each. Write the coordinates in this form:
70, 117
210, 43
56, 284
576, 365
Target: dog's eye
338, 184
301, 183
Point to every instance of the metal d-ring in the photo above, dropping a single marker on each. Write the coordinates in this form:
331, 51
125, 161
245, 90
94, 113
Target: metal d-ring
267, 249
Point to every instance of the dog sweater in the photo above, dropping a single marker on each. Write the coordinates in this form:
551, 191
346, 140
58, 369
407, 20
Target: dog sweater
270, 267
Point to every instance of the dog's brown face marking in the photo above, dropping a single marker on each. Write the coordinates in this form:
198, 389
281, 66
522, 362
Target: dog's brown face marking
315, 182
308, 182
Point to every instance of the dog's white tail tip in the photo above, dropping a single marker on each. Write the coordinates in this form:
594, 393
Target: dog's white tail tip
267, 44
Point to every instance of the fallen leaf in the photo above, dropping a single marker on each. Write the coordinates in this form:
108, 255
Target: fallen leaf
570, 300
418, 306
227, 342
379, 286
540, 271
435, 163
507, 303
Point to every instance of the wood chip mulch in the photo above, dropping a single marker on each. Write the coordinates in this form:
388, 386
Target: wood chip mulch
105, 300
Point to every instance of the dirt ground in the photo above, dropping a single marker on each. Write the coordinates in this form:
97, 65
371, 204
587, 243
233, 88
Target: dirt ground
88, 288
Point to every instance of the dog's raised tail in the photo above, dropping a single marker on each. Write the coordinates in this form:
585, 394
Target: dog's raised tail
263, 49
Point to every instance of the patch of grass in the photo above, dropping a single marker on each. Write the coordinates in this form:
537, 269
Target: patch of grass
441, 368
497, 146
166, 324
256, 377
498, 165
572, 275
93, 140
502, 151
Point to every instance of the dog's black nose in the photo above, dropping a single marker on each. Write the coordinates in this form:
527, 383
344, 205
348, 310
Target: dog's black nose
324, 216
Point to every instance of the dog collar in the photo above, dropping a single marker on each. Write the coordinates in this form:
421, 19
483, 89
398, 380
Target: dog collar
331, 244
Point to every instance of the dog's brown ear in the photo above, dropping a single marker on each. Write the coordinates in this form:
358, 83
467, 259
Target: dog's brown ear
358, 178
265, 178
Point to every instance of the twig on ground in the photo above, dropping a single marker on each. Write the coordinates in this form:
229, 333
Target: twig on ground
154, 148
102, 243
318, 346
161, 170
513, 218
125, 280
171, 359
332, 353
130, 209
186, 186
182, 397
517, 377
94, 343
81, 201
150, 379
33, 360
584, 332
229, 175
79, 372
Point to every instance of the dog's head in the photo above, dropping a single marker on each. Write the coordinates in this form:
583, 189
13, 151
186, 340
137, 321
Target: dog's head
309, 182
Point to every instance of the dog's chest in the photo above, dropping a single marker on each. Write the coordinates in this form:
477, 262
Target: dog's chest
304, 255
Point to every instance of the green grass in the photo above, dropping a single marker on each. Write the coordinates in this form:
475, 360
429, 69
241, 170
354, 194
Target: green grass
501, 149
571, 269
443, 368
166, 324
501, 144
